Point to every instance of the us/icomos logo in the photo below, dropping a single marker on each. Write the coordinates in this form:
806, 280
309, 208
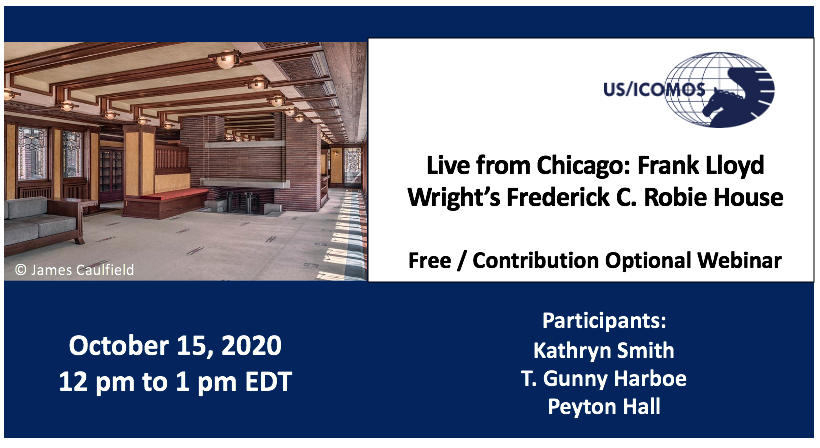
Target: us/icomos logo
715, 90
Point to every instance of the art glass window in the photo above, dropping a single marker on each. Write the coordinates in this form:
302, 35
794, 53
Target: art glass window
32, 153
72, 154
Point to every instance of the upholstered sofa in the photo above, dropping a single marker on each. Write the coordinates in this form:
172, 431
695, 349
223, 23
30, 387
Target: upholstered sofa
36, 222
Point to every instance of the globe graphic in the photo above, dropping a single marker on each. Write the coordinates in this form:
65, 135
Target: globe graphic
711, 69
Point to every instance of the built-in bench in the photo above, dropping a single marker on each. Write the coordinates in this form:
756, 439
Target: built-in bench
164, 205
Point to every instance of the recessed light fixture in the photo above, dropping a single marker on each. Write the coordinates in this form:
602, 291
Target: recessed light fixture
66, 106
9, 94
277, 100
258, 83
227, 59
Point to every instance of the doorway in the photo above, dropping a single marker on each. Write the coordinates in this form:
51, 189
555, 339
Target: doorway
111, 169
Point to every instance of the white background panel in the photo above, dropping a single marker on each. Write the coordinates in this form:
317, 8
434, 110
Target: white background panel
521, 99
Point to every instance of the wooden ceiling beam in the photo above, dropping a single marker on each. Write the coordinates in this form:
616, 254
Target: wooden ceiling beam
141, 74
315, 98
281, 53
180, 89
183, 112
227, 114
249, 124
220, 109
76, 54
226, 99
206, 86
249, 119
209, 100
329, 109
182, 68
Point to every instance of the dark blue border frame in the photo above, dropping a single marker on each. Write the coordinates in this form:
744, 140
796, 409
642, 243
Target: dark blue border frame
423, 323
182, 23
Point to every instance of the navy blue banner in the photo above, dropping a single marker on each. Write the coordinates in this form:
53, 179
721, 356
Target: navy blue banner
408, 360
357, 24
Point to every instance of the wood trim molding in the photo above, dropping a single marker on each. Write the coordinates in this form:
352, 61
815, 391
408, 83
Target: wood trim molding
182, 68
315, 98
36, 122
210, 100
302, 50
14, 85
182, 112
142, 74
76, 54
206, 86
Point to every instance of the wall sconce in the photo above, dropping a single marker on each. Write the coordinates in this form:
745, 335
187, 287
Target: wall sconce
227, 59
300, 117
290, 112
168, 125
110, 114
66, 106
277, 100
9, 94
258, 83
143, 120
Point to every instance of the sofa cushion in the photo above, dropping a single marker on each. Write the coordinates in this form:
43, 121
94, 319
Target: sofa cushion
51, 224
25, 207
16, 232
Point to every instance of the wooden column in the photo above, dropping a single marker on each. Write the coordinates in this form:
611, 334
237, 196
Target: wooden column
57, 162
10, 157
139, 159
94, 174
337, 175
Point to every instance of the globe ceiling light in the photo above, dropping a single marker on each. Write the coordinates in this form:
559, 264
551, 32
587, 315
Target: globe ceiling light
290, 111
228, 137
227, 59
66, 106
300, 117
9, 94
168, 125
143, 120
277, 100
258, 83
110, 114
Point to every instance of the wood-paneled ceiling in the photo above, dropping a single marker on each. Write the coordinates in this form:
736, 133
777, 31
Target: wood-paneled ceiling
168, 81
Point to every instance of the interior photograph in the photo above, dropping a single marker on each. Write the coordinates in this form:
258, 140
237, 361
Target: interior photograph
185, 160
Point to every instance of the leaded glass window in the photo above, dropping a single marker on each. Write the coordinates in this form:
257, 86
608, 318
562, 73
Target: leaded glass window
31, 153
72, 154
